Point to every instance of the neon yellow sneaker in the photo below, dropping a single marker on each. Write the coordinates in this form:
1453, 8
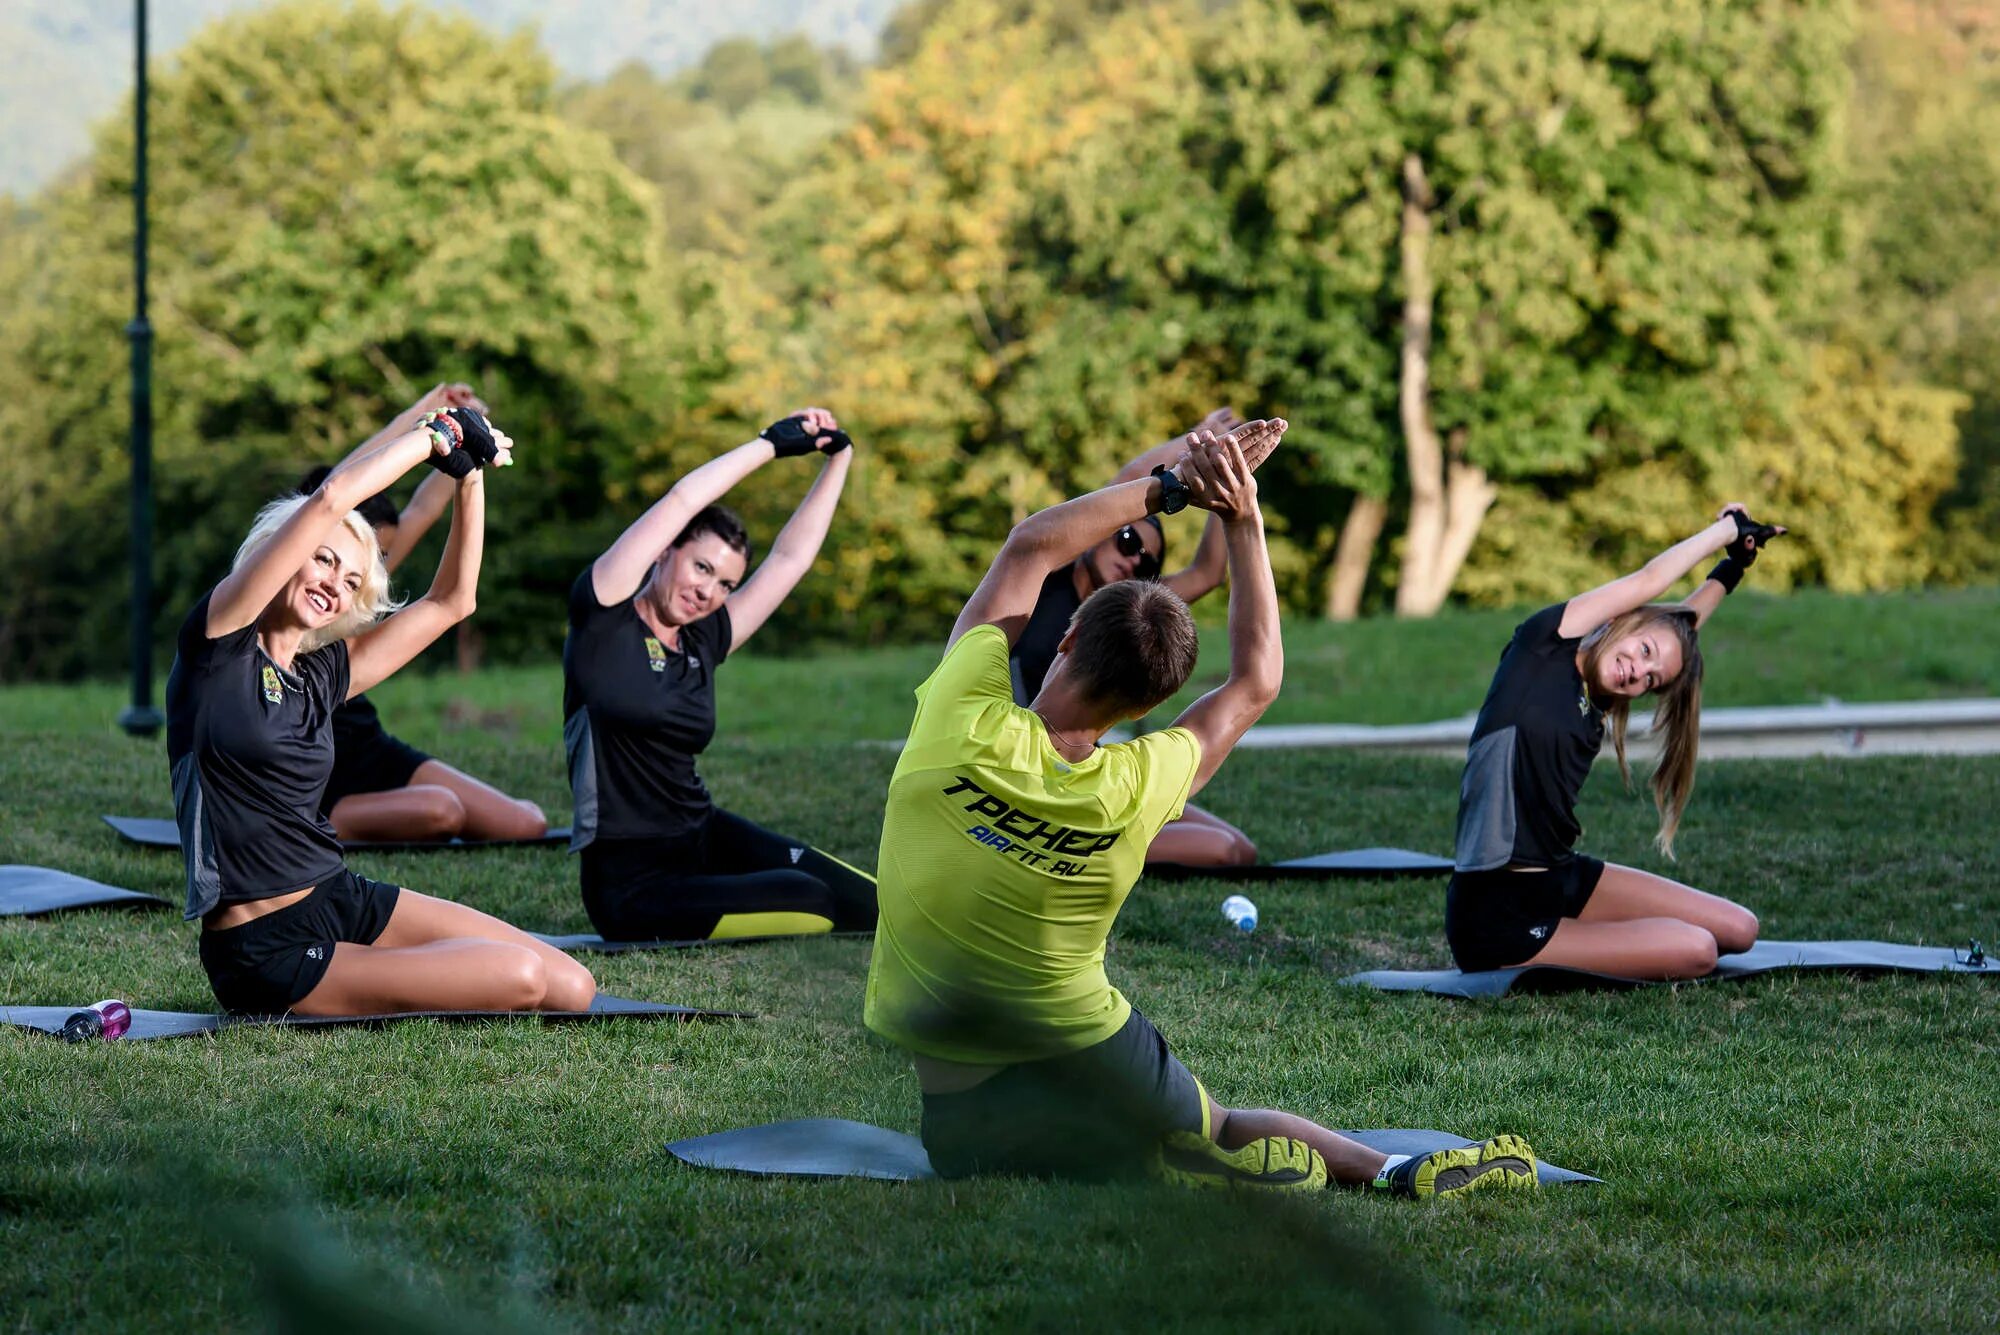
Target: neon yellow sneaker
1189, 1159
1503, 1162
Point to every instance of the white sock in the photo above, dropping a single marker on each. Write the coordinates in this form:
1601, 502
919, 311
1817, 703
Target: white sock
1389, 1166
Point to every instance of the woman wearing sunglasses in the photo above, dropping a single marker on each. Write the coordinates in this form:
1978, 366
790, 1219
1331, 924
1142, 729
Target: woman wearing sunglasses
1137, 551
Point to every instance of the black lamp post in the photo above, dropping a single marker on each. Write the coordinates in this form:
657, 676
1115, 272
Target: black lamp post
140, 718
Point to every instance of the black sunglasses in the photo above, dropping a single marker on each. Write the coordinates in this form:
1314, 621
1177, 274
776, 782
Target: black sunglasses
1130, 543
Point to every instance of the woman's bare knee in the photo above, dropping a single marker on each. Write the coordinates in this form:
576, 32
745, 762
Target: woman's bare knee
569, 986
436, 811
1737, 932
526, 821
518, 979
1242, 853
1691, 953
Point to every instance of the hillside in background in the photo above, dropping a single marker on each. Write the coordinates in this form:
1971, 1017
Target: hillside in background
63, 64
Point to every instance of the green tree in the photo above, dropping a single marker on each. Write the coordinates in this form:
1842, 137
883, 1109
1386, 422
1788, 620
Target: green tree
1926, 149
348, 203
1511, 243
1854, 468
897, 280
719, 140
1459, 245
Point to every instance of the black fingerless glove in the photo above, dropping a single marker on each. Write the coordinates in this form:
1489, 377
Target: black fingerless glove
1750, 539
1728, 573
836, 441
791, 437
471, 437
475, 435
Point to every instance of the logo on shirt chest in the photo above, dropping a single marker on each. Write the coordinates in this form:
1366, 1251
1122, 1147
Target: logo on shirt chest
274, 690
656, 654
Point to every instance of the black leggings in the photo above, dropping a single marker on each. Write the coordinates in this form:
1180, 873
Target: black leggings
701, 884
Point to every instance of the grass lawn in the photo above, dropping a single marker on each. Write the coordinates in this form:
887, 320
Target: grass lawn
1760, 651
1793, 1153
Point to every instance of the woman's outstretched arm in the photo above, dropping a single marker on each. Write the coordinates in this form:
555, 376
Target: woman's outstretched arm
433, 494
1049, 538
1587, 611
1722, 581
379, 651
244, 593
1202, 575
791, 555
617, 575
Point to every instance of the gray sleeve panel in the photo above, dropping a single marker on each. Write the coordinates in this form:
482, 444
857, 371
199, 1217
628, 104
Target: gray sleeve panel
582, 779
204, 880
1486, 804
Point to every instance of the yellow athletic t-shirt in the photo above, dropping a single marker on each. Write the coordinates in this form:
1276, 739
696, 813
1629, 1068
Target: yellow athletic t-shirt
1003, 866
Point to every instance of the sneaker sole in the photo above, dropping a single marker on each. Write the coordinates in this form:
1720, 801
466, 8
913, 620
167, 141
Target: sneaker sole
1519, 1172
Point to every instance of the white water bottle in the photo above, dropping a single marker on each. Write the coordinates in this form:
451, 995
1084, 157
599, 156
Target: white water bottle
1242, 914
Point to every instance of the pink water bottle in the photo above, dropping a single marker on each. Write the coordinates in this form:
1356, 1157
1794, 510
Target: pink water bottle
107, 1019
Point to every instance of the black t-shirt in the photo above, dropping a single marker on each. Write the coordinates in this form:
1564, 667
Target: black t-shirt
250, 746
355, 723
1532, 748
1033, 654
635, 715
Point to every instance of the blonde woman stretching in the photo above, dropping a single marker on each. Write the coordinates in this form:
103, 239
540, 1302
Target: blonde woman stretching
263, 661
1521, 893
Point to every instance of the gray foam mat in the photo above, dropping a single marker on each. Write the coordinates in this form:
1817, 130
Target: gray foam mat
27, 891
836, 1147
1764, 957
585, 943
149, 832
1344, 864
181, 1024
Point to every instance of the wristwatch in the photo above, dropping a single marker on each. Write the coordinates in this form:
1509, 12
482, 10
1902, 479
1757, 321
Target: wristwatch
1173, 491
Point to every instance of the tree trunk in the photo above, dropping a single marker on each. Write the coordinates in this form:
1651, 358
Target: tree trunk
1469, 494
1353, 554
1449, 496
470, 646
1421, 446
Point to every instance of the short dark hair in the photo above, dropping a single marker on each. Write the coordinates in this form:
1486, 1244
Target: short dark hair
723, 522
377, 510
1135, 645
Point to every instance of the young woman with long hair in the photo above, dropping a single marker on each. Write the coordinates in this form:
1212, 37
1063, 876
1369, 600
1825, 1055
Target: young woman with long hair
651, 621
264, 659
1521, 893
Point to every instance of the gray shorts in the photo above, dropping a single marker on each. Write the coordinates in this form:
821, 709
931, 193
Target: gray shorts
1095, 1115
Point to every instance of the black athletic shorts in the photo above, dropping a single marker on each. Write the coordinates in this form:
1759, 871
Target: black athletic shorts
269, 964
370, 762
1496, 919
1095, 1115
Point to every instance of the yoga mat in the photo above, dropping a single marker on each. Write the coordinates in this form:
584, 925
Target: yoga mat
180, 1024
1765, 956
836, 1147
588, 944
1355, 862
153, 833
28, 891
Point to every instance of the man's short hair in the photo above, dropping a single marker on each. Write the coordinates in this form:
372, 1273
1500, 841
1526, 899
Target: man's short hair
1135, 645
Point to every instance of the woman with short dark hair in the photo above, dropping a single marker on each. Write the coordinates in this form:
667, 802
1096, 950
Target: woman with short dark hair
650, 623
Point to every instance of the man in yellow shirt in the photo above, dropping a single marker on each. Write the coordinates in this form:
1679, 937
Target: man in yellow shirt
1012, 837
